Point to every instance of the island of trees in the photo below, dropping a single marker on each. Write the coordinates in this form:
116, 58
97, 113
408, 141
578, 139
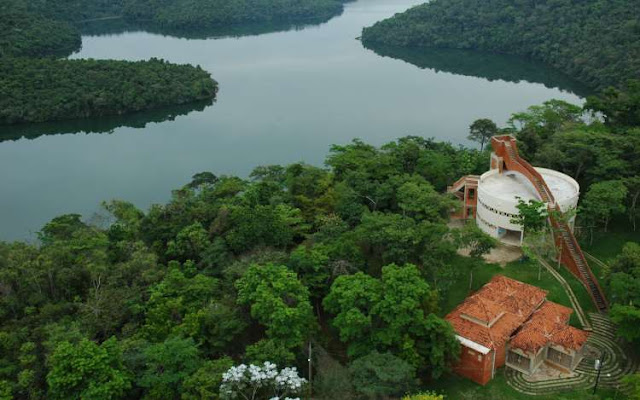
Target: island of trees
47, 89
354, 261
595, 42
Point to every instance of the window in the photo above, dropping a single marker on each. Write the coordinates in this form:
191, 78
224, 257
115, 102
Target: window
493, 210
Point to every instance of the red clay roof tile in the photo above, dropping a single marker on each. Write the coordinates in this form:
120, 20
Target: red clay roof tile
503, 306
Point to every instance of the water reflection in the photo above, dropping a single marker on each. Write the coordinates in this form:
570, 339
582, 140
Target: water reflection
105, 124
483, 65
120, 25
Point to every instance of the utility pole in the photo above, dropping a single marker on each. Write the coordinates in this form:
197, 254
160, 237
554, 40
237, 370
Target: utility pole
598, 366
309, 360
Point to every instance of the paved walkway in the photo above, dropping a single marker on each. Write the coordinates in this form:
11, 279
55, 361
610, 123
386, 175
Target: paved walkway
577, 308
602, 342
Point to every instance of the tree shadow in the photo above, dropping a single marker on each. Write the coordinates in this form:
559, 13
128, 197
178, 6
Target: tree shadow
106, 124
488, 66
114, 26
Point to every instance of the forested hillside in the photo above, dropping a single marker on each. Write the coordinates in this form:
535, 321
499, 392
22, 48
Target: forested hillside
36, 90
32, 35
214, 13
157, 305
355, 258
594, 41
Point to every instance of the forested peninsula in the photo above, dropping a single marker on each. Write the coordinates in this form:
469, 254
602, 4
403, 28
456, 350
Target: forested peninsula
594, 42
37, 88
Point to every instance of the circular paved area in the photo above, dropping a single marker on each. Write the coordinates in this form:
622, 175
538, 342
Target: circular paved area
602, 341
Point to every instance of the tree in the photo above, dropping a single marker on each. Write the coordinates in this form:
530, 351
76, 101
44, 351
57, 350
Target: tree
332, 380
312, 266
604, 200
406, 306
269, 350
260, 382
87, 371
418, 200
473, 238
204, 384
269, 225
620, 108
532, 215
352, 298
168, 365
278, 301
633, 205
378, 376
5, 391
481, 130
394, 313
178, 299
214, 327
631, 386
202, 178
627, 318
190, 244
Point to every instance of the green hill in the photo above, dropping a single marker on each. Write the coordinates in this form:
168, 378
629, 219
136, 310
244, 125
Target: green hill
596, 42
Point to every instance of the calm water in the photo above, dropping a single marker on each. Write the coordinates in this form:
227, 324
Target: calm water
284, 97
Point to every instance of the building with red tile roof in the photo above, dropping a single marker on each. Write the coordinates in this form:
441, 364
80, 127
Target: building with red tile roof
511, 323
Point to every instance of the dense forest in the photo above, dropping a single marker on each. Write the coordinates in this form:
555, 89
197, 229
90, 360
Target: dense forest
35, 87
36, 90
42, 27
195, 14
596, 42
25, 34
353, 260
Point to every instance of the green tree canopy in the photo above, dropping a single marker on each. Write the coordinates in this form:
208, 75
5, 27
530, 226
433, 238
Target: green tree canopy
278, 301
87, 371
481, 131
378, 376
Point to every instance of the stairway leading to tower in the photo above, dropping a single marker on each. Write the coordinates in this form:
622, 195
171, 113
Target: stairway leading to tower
571, 253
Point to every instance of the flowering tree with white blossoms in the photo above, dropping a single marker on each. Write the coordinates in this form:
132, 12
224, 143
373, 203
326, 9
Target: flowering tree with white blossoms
264, 382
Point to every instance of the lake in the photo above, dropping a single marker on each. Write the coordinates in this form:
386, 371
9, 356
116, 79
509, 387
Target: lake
284, 97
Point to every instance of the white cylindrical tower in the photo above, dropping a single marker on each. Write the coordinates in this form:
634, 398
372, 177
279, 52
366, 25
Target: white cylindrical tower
498, 195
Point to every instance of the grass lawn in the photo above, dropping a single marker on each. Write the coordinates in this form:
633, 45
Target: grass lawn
458, 388
578, 289
524, 271
607, 245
